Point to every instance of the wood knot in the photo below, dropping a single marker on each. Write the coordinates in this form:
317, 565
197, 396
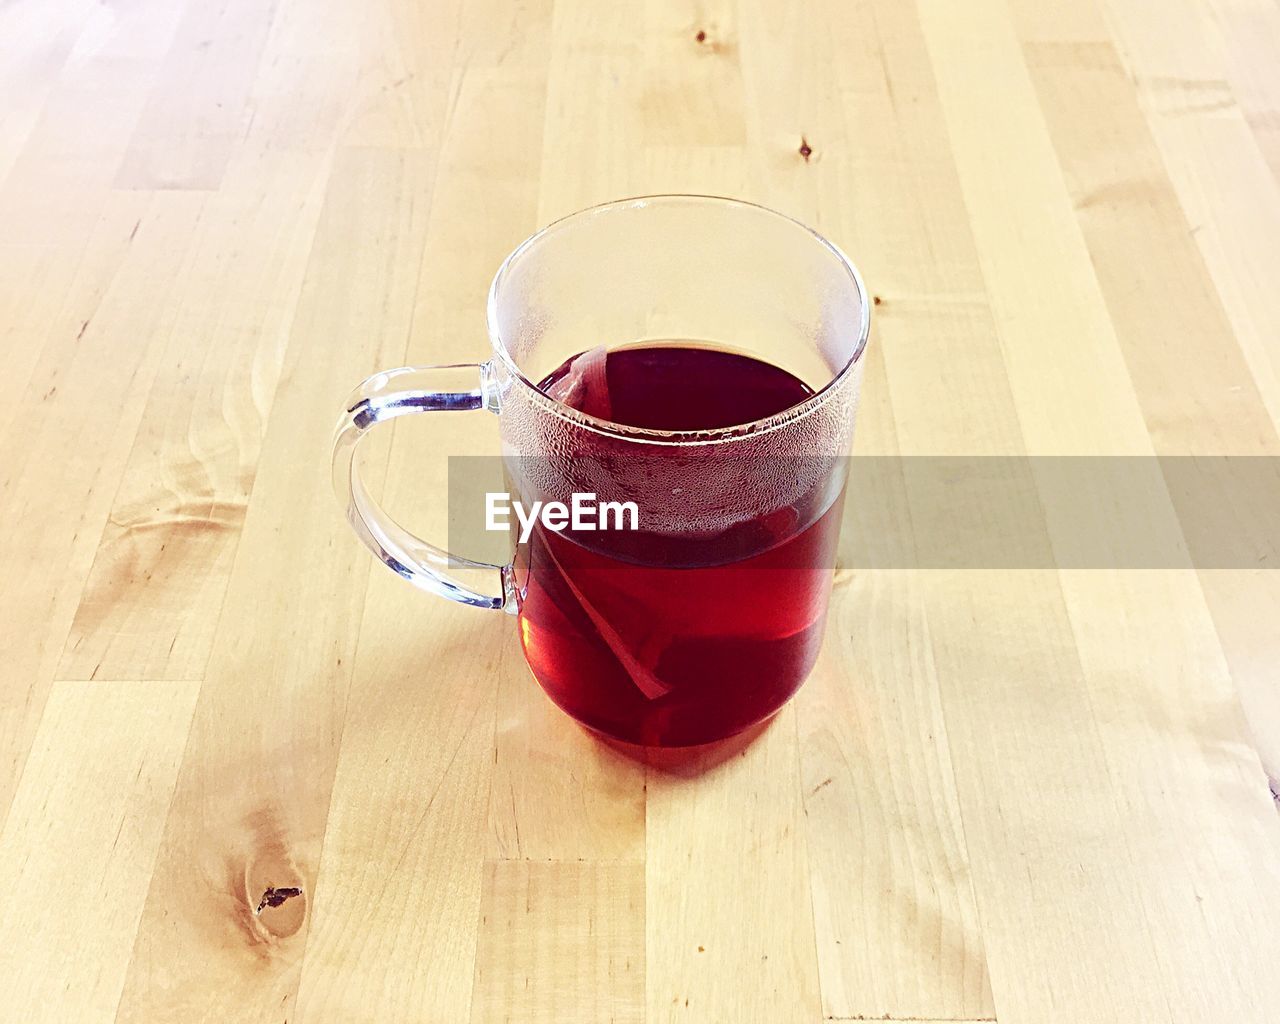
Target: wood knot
710, 44
272, 889
274, 897
278, 912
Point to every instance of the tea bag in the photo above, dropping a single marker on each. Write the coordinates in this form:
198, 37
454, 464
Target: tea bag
585, 385
644, 678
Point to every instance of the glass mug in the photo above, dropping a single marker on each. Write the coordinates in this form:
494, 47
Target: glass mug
703, 612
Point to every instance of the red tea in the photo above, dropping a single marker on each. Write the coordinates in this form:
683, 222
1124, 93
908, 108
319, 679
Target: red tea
677, 637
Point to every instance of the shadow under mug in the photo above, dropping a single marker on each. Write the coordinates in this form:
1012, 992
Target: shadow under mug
707, 617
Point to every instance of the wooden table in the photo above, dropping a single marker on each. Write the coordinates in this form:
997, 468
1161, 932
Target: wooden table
246, 777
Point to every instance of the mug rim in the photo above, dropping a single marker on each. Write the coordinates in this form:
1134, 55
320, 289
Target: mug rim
650, 435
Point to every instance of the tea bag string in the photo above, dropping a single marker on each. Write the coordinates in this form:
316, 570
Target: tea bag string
585, 385
646, 682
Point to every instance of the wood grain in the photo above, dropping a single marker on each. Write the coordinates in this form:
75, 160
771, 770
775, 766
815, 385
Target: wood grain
193, 118
1219, 172
1052, 321
66, 445
246, 775
273, 701
151, 602
730, 815
880, 796
77, 852
880, 808
561, 943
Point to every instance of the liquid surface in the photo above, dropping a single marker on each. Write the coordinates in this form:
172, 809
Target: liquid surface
667, 649
674, 387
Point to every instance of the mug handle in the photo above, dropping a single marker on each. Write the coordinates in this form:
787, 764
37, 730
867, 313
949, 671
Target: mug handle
384, 396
